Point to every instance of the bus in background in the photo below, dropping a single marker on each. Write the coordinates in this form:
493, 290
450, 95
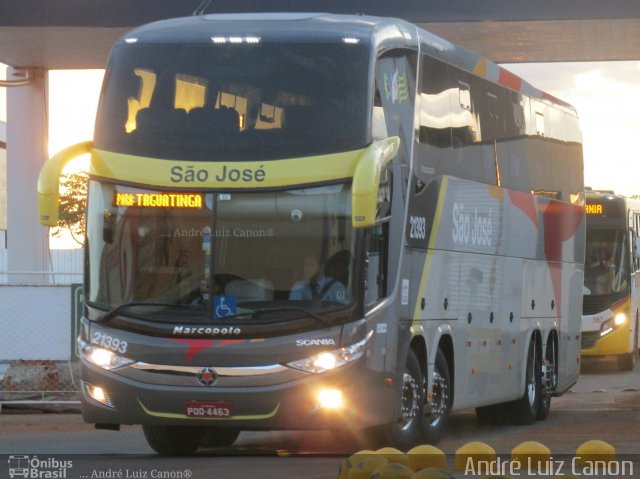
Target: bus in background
315, 221
611, 278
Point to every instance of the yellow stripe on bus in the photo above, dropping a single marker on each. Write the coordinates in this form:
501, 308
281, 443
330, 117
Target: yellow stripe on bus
227, 175
432, 243
169, 415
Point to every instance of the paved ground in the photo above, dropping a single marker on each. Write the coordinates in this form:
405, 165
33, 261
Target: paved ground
604, 404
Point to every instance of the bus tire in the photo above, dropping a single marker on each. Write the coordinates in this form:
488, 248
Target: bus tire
435, 424
551, 357
219, 437
525, 410
405, 432
627, 361
174, 439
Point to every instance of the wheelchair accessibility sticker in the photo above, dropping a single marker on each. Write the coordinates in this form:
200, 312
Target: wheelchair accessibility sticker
224, 306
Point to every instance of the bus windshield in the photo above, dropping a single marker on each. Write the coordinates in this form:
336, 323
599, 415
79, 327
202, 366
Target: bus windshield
227, 256
606, 265
234, 102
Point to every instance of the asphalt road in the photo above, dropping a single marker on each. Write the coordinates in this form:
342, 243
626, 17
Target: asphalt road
604, 405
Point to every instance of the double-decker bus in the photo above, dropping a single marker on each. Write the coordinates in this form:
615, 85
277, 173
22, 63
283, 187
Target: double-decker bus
611, 278
316, 221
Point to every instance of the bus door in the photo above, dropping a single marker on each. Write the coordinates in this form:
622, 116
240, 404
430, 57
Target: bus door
392, 115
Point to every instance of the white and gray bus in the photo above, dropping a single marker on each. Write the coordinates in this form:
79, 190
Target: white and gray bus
301, 221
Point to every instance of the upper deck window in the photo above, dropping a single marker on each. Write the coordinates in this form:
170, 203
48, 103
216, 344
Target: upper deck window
234, 102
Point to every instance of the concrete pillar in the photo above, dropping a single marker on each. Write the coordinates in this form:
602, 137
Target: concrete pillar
27, 239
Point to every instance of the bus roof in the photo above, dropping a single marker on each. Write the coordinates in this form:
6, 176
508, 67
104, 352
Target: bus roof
380, 32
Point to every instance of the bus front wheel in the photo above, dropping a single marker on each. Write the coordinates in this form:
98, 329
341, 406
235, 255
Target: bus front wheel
627, 361
404, 433
174, 439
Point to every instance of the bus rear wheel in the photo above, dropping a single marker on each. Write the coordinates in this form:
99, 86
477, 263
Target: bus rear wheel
525, 410
174, 439
439, 401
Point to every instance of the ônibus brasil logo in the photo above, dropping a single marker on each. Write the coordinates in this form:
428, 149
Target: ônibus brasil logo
35, 468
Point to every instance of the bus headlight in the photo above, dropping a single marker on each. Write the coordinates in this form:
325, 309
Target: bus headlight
101, 357
620, 319
326, 361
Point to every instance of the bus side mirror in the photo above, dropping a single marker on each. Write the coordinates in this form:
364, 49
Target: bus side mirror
49, 182
366, 180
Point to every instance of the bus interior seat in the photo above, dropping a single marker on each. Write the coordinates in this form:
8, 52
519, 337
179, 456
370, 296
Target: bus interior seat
224, 119
160, 120
337, 266
250, 290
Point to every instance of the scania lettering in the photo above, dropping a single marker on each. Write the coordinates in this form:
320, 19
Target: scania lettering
370, 213
611, 306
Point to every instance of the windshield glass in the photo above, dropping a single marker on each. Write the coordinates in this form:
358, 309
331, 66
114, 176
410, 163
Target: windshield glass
234, 102
229, 256
606, 268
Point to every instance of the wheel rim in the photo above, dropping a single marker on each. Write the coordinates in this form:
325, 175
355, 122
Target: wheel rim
438, 400
531, 376
410, 402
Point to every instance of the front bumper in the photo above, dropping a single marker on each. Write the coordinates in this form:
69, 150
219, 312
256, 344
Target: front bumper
287, 404
616, 342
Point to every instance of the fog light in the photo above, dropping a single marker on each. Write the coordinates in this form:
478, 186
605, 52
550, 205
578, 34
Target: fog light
620, 319
98, 394
330, 399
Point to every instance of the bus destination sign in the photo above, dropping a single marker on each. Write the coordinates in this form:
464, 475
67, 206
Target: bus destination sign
604, 209
158, 200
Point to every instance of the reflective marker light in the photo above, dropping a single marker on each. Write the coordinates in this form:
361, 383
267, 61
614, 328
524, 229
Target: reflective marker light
330, 399
605, 328
351, 40
620, 319
235, 40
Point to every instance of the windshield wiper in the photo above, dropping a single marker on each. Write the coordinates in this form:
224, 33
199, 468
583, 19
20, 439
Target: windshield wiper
281, 308
115, 311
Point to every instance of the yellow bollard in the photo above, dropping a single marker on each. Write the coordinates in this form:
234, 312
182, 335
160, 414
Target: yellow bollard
531, 456
392, 471
475, 457
353, 460
364, 468
426, 456
394, 456
432, 473
593, 451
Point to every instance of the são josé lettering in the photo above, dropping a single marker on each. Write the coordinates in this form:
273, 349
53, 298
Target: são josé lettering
189, 174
